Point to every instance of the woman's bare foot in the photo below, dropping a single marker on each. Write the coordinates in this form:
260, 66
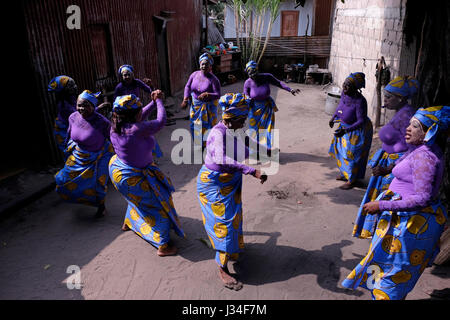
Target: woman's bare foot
347, 186
340, 178
228, 281
125, 227
169, 250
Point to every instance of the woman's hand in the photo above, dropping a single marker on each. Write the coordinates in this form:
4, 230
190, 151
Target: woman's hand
382, 171
157, 94
184, 103
203, 96
147, 81
260, 175
339, 132
372, 207
331, 123
379, 171
295, 91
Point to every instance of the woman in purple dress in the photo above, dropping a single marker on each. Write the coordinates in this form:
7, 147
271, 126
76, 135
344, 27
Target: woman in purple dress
130, 85
411, 215
65, 90
392, 135
202, 92
353, 138
85, 175
219, 184
262, 113
151, 212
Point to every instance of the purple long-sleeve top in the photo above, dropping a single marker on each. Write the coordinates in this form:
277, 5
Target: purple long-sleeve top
134, 146
65, 108
352, 111
260, 89
218, 159
417, 177
135, 87
199, 83
392, 135
90, 133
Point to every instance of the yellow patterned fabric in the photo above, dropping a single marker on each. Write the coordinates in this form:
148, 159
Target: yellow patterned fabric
85, 175
403, 245
220, 199
151, 212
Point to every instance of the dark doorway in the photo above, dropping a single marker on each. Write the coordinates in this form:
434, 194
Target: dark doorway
162, 53
26, 140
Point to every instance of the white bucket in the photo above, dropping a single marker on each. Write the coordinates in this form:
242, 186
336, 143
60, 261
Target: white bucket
332, 103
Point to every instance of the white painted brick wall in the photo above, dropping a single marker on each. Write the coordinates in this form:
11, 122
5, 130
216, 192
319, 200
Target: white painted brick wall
366, 29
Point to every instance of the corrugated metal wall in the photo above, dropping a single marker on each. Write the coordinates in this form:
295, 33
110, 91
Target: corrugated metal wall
56, 50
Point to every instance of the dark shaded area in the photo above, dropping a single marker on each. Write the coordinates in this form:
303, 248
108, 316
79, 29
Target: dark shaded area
428, 24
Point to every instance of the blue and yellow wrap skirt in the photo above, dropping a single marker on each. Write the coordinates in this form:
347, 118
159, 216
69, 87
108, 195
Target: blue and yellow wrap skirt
84, 177
203, 115
220, 199
351, 151
365, 223
262, 117
151, 212
404, 244
60, 133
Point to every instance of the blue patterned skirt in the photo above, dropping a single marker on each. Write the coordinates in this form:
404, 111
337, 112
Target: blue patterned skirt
403, 245
60, 133
220, 199
365, 223
262, 117
151, 212
85, 175
351, 151
203, 115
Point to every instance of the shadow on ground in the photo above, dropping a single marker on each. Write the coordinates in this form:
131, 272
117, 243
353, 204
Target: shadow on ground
268, 262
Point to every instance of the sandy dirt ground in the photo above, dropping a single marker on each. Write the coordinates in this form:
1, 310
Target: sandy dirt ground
293, 251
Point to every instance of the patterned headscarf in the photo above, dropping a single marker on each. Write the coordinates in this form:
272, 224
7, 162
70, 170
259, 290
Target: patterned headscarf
234, 105
57, 84
128, 102
436, 119
358, 79
91, 97
405, 87
125, 67
206, 56
251, 65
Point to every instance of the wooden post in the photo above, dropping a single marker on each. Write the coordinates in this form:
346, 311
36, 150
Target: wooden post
381, 63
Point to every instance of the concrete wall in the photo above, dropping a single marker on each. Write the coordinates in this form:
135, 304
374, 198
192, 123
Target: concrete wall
308, 9
363, 31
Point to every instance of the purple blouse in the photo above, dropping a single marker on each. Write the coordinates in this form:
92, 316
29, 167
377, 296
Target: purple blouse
217, 158
393, 133
352, 111
417, 177
134, 146
198, 83
90, 133
135, 87
66, 108
260, 89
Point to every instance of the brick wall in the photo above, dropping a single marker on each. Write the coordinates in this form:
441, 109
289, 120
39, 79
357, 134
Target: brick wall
369, 29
